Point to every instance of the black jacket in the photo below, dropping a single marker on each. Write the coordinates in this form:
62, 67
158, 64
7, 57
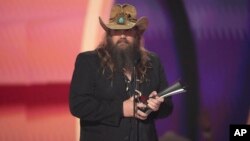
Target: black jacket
98, 102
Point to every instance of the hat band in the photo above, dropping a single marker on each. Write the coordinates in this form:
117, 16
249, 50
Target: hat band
122, 18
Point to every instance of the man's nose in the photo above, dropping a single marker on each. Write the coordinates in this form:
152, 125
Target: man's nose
123, 35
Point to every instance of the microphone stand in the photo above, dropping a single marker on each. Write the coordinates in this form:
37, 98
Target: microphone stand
134, 102
135, 126
136, 87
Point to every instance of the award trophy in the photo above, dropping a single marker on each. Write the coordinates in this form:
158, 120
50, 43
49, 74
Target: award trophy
174, 89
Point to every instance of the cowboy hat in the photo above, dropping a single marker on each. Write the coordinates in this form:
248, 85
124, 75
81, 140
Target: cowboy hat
123, 16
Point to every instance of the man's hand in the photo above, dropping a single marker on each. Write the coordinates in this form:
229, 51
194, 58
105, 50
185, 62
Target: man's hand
139, 114
154, 101
129, 109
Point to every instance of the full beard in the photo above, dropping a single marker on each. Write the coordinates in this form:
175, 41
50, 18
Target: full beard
124, 57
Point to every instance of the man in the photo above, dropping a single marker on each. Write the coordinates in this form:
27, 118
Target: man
102, 92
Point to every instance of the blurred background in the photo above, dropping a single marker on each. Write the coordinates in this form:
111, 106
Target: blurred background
204, 42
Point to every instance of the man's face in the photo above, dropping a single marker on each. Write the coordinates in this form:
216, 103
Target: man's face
123, 38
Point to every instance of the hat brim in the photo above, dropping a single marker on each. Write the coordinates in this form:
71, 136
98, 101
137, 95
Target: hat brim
141, 23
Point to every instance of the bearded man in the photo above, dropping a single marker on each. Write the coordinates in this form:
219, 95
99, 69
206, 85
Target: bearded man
107, 82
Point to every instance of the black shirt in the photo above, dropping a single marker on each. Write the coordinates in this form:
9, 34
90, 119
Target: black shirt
98, 102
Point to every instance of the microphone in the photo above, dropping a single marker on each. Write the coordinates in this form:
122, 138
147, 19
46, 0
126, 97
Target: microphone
176, 88
137, 58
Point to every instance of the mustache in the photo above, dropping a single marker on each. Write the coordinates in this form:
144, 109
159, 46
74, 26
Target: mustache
122, 40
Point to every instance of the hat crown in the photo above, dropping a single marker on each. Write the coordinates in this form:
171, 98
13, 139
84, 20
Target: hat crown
122, 17
123, 13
